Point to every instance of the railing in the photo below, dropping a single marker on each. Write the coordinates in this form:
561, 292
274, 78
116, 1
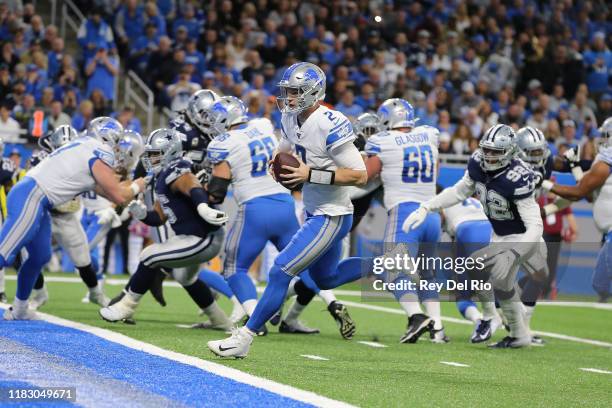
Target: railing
133, 83
453, 158
69, 9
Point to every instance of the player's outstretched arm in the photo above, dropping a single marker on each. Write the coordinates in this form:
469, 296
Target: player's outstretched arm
351, 167
109, 186
592, 180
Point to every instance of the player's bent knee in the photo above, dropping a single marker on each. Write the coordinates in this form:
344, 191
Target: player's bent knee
184, 276
504, 294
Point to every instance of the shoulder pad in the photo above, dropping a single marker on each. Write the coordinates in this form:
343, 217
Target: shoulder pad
176, 170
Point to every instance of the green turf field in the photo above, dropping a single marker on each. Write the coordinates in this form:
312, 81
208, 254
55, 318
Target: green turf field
410, 375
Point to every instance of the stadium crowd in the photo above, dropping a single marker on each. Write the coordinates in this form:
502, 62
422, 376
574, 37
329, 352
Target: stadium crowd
465, 65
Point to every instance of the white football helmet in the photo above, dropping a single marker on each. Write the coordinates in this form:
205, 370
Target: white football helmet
129, 150
105, 129
301, 87
533, 146
236, 111
605, 133
497, 147
57, 138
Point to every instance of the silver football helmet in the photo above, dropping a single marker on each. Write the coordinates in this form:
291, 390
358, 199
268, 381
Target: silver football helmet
301, 87
198, 105
217, 119
396, 113
533, 146
105, 129
129, 150
366, 125
236, 111
497, 147
605, 132
163, 146
57, 138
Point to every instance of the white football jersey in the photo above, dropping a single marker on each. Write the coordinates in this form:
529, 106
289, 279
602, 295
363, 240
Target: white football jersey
93, 201
468, 210
66, 173
247, 150
409, 164
602, 207
314, 142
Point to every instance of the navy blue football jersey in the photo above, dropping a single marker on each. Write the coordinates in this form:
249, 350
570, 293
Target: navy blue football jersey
194, 142
178, 208
498, 191
7, 171
37, 157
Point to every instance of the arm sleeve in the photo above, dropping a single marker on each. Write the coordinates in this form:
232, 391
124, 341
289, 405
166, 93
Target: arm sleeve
452, 195
530, 214
346, 156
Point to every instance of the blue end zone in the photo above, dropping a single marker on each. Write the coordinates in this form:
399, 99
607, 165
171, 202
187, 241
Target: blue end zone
172, 380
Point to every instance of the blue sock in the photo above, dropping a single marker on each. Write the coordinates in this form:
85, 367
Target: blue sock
310, 284
216, 281
242, 286
462, 306
271, 300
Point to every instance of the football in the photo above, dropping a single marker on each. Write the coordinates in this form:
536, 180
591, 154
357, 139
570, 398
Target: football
284, 159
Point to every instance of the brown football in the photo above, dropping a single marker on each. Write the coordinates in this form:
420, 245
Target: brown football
284, 159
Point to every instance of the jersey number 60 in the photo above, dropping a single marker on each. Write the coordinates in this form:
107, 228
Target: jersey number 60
418, 164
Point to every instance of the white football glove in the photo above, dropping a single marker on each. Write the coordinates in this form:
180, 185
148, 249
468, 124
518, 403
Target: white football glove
572, 155
501, 264
415, 219
212, 216
137, 209
108, 216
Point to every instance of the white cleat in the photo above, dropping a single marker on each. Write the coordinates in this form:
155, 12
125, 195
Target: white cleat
39, 298
20, 313
237, 345
122, 310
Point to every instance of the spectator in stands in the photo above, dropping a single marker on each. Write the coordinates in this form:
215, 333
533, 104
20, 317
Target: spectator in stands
143, 48
50, 36
153, 16
24, 110
579, 111
54, 59
66, 85
93, 32
36, 30
467, 100
46, 99
8, 56
128, 120
189, 21
462, 141
445, 143
101, 70
180, 91
129, 25
35, 83
161, 69
598, 64
5, 81
9, 127
100, 105
194, 56
569, 133
348, 106
81, 119
604, 110
57, 117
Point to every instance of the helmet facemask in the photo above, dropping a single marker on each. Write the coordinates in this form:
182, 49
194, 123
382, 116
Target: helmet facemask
152, 160
495, 158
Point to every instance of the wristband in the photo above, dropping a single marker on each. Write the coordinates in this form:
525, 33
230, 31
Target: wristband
153, 219
577, 173
135, 188
547, 185
551, 208
198, 196
317, 176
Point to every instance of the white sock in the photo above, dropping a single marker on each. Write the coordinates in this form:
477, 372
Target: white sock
472, 314
249, 306
327, 296
410, 303
290, 289
513, 310
295, 311
528, 310
134, 297
235, 301
19, 304
214, 313
488, 310
2, 288
246, 331
432, 308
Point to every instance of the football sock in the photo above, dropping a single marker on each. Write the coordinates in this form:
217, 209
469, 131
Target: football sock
249, 306
242, 286
200, 293
513, 310
40, 282
432, 308
307, 280
488, 310
88, 275
304, 294
468, 309
271, 300
2, 288
327, 296
410, 303
214, 313
141, 280
216, 281
295, 311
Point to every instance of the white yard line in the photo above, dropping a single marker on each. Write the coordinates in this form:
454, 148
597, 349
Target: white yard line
372, 344
313, 357
452, 363
388, 309
218, 369
596, 370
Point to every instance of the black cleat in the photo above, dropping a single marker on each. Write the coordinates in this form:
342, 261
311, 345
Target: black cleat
296, 327
341, 315
418, 324
3, 297
483, 332
511, 342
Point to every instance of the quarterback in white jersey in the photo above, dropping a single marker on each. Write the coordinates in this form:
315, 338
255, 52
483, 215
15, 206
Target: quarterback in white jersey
406, 157
83, 165
323, 139
596, 183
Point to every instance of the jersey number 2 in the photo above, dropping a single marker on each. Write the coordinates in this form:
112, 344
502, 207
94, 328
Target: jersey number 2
261, 153
418, 164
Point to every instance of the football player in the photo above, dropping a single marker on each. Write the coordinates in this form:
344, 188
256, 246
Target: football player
266, 209
406, 158
8, 172
328, 159
82, 165
597, 185
197, 238
505, 186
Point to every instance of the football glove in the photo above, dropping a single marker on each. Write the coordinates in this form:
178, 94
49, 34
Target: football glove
212, 216
415, 219
137, 209
572, 156
108, 216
